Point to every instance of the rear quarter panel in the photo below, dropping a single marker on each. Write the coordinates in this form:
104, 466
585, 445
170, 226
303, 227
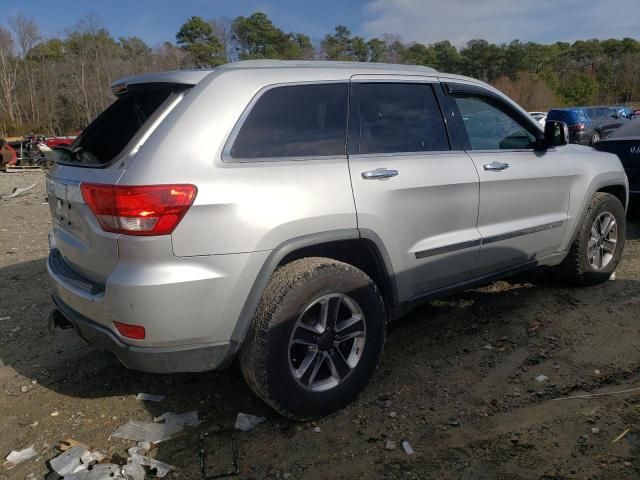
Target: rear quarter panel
241, 207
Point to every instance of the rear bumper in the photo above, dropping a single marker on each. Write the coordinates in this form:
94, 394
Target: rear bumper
150, 359
189, 306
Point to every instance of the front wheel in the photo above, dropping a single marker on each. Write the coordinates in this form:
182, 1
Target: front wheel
316, 339
598, 245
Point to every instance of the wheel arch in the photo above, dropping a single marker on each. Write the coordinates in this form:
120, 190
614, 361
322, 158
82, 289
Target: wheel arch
611, 186
361, 248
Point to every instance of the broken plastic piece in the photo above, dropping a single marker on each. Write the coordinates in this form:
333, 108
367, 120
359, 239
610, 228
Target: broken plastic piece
69, 461
406, 446
146, 432
18, 456
149, 397
187, 418
104, 471
19, 191
137, 460
246, 422
91, 457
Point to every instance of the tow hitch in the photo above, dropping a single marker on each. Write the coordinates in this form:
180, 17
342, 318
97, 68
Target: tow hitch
57, 320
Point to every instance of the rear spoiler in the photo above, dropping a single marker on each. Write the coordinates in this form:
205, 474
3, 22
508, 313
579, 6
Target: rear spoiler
179, 79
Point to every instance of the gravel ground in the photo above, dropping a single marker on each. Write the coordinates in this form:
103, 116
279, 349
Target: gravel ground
457, 381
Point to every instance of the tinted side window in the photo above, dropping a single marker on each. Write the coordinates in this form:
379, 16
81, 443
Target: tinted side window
394, 118
295, 121
489, 127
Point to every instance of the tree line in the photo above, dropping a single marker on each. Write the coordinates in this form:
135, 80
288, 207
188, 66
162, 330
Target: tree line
59, 84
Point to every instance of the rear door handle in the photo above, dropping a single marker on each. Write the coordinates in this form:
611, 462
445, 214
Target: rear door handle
379, 173
495, 166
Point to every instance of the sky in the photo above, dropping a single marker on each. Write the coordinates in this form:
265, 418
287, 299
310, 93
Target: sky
428, 21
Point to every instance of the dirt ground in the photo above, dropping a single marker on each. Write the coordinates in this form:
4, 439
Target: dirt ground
457, 381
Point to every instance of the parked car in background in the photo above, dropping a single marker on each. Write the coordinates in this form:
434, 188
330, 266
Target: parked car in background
578, 122
605, 120
624, 111
540, 117
317, 201
625, 142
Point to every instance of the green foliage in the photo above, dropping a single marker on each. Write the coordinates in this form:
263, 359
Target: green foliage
257, 37
197, 38
60, 84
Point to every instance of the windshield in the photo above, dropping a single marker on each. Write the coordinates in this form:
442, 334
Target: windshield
114, 128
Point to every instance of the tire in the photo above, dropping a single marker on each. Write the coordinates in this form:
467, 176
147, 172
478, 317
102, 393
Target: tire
578, 267
595, 138
271, 358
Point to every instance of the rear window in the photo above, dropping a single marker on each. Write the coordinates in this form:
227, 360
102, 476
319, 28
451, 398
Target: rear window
570, 117
109, 133
295, 121
560, 115
396, 118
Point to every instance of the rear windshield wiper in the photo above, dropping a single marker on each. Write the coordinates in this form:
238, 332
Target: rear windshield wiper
73, 153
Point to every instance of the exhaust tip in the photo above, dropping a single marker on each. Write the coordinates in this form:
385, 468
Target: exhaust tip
58, 320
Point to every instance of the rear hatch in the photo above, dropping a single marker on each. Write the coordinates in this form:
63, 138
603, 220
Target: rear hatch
99, 156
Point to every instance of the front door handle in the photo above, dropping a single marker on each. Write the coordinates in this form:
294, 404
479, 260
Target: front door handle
379, 173
496, 166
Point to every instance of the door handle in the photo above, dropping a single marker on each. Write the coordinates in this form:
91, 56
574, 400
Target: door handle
379, 173
496, 166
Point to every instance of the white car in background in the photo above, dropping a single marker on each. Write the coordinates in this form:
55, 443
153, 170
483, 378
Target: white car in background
541, 117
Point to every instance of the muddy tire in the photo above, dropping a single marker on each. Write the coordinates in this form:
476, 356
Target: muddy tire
597, 248
316, 338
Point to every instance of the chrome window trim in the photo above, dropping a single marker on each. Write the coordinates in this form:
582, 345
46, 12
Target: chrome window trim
406, 154
226, 151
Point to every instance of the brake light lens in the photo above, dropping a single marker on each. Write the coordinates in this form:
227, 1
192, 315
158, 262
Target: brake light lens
139, 210
578, 127
135, 332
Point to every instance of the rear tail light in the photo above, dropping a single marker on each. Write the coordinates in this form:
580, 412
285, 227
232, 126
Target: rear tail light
578, 127
138, 210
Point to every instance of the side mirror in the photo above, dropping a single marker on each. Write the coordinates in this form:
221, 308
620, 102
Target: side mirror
556, 134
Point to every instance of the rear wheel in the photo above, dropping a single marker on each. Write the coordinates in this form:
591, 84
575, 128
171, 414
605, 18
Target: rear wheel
598, 246
595, 137
316, 339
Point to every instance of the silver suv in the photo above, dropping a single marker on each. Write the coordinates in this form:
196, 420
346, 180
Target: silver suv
283, 212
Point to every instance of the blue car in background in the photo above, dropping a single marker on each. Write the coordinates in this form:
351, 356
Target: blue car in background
580, 125
622, 111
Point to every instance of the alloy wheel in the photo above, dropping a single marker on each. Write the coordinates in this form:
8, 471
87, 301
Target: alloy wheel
327, 342
602, 241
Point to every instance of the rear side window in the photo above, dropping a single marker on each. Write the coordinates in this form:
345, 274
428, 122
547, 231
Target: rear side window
110, 132
395, 118
295, 121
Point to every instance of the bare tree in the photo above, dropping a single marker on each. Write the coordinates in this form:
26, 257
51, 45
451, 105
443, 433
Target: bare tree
8, 74
28, 34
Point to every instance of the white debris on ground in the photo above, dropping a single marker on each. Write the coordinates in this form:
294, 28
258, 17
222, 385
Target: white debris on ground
148, 397
147, 432
189, 419
18, 456
246, 422
406, 446
541, 378
18, 191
